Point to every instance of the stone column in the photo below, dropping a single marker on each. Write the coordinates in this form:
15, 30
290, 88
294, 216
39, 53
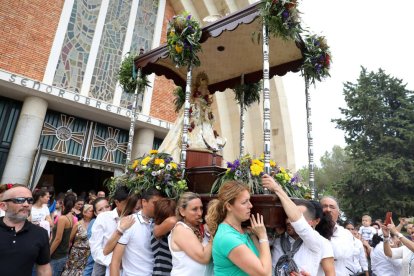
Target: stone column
143, 141
25, 141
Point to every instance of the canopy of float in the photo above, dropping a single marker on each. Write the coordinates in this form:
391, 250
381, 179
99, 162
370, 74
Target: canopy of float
229, 49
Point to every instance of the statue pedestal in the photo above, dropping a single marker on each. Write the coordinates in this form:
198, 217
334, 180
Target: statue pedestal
267, 205
201, 179
201, 158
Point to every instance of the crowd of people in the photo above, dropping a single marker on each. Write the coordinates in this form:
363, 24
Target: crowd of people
149, 234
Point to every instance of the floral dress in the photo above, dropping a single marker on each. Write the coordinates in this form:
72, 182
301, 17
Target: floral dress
79, 253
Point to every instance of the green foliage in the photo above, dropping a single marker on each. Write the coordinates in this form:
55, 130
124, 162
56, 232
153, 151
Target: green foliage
183, 36
179, 99
379, 132
247, 94
281, 17
333, 166
127, 76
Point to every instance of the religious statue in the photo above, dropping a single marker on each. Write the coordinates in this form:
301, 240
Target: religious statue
201, 135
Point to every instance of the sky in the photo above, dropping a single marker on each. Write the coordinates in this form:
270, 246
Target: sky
370, 33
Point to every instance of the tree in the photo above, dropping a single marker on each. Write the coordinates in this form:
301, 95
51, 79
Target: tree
379, 132
334, 164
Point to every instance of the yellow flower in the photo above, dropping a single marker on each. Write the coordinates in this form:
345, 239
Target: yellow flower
153, 151
258, 162
256, 169
228, 170
173, 165
145, 161
159, 161
178, 49
282, 170
272, 163
135, 164
287, 177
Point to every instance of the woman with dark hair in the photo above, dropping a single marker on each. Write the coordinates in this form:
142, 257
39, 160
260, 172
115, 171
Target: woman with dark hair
40, 214
325, 227
164, 221
235, 251
381, 265
358, 265
190, 248
132, 206
59, 248
77, 208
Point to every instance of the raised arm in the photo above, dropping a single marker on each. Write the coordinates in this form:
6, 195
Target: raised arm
124, 224
291, 210
165, 227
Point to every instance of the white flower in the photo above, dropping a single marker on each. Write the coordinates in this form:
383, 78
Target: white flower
154, 173
168, 167
144, 167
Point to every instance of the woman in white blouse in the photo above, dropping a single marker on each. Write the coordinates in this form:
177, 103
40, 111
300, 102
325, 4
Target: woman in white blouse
405, 252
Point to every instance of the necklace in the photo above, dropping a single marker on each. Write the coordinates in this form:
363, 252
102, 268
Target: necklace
232, 226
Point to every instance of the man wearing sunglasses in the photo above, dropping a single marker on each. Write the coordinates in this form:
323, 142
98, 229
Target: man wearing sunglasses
22, 244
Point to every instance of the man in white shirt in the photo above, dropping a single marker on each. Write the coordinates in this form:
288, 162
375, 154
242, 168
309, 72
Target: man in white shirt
134, 247
299, 226
105, 225
342, 240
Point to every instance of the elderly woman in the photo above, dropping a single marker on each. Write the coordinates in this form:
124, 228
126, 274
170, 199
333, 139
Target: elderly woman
190, 247
235, 251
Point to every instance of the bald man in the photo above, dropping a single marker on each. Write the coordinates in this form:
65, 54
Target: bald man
342, 240
22, 244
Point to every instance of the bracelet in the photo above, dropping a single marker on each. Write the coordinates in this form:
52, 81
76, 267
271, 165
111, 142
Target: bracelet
119, 230
386, 239
263, 240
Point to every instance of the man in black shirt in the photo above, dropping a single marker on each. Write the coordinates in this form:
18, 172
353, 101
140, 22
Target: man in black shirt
22, 244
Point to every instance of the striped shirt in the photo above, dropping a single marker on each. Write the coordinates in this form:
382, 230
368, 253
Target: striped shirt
162, 255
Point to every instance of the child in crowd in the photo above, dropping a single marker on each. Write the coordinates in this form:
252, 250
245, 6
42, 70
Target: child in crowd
366, 230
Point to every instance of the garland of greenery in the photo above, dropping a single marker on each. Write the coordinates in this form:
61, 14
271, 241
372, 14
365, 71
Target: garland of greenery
317, 58
179, 100
281, 17
247, 94
127, 75
183, 36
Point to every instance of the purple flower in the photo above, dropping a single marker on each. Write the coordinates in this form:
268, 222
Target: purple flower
189, 17
285, 15
167, 177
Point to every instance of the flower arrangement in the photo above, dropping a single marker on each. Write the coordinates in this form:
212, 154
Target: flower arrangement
183, 35
317, 58
127, 75
153, 170
250, 171
281, 17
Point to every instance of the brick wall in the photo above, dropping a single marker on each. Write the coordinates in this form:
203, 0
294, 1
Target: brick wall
162, 105
27, 29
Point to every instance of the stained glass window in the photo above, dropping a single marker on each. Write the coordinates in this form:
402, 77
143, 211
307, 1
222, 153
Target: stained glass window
110, 50
142, 37
76, 46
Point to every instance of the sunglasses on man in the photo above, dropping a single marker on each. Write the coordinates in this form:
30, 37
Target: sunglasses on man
20, 200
